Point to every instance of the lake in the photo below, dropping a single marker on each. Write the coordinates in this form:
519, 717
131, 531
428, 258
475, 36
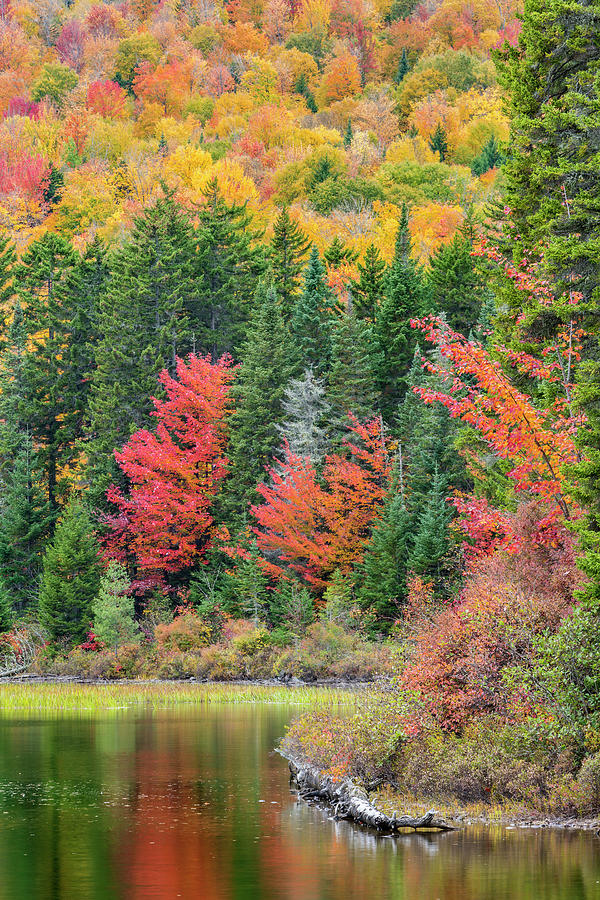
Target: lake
193, 803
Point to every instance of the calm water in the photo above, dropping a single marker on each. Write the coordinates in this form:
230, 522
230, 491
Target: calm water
194, 804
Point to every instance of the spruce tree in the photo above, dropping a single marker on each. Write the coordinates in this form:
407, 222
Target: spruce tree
338, 253
553, 192
405, 297
25, 523
51, 409
382, 576
7, 615
490, 157
403, 67
7, 265
228, 267
352, 384
267, 364
143, 325
291, 606
439, 141
70, 575
456, 288
431, 542
288, 253
307, 421
113, 609
348, 135
311, 320
368, 290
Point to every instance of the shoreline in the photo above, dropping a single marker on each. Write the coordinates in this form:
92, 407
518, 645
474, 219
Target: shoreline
337, 683
432, 817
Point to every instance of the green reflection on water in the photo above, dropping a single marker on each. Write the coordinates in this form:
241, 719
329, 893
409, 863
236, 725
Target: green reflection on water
193, 803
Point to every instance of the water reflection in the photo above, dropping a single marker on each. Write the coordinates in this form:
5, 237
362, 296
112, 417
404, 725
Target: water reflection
195, 805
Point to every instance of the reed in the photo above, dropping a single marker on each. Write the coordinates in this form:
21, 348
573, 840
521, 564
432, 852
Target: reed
23, 699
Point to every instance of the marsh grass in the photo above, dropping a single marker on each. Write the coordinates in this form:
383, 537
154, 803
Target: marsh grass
32, 699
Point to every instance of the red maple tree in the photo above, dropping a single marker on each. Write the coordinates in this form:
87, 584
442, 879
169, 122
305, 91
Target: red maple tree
315, 529
174, 471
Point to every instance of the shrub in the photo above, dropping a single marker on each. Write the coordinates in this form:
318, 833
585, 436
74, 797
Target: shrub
186, 632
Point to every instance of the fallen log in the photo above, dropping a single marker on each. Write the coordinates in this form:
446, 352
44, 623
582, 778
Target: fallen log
349, 801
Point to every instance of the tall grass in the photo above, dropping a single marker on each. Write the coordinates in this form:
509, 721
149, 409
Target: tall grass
24, 699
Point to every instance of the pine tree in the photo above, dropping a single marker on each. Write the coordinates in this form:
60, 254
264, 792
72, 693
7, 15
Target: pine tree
143, 325
113, 609
307, 415
267, 364
70, 575
288, 253
383, 572
431, 539
229, 265
163, 147
456, 288
311, 320
368, 291
403, 67
439, 141
348, 135
405, 297
352, 385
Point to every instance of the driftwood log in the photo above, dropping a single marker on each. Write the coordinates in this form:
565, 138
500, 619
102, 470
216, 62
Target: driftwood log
348, 801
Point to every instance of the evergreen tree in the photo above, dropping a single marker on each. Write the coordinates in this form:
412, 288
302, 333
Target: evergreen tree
303, 89
352, 385
439, 141
311, 320
6, 609
288, 253
348, 135
51, 406
490, 157
403, 67
368, 291
70, 576
143, 325
338, 253
553, 192
245, 591
291, 607
431, 541
25, 522
113, 609
7, 265
267, 363
339, 608
383, 572
405, 297
307, 415
455, 286
163, 147
229, 266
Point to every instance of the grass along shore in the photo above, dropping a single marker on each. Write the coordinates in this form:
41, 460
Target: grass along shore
19, 698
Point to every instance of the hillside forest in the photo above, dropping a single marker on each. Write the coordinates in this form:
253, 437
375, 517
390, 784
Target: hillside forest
299, 365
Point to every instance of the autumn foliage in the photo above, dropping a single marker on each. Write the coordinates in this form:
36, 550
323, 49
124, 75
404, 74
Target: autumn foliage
175, 470
316, 529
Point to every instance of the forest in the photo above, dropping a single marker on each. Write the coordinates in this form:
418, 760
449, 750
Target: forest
299, 368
